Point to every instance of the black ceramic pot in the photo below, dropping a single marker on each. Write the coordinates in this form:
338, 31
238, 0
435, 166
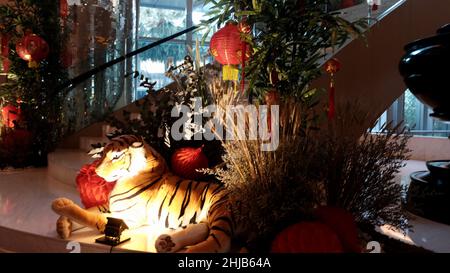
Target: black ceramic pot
426, 71
440, 171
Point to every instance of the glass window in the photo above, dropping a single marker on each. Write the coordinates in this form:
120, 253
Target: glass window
415, 116
159, 19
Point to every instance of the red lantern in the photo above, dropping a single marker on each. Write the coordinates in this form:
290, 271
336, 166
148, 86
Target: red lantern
332, 66
33, 49
307, 237
186, 161
10, 114
229, 50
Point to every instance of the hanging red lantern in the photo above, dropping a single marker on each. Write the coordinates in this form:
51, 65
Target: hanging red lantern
33, 49
5, 52
307, 237
332, 66
10, 115
229, 50
186, 161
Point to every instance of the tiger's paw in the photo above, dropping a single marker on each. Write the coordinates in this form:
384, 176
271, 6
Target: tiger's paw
61, 205
164, 244
64, 227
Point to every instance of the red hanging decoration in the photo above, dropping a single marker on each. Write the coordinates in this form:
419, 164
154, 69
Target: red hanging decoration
33, 49
10, 115
332, 67
229, 50
63, 10
186, 161
5, 52
93, 189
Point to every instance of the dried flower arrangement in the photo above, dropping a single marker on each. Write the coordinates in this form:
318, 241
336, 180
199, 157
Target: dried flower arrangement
310, 168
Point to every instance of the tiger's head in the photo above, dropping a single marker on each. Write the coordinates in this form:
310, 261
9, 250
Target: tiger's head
127, 156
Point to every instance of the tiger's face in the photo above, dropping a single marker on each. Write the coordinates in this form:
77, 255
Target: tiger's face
126, 156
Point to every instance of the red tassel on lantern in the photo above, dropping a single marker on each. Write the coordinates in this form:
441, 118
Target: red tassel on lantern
229, 50
186, 161
332, 67
33, 49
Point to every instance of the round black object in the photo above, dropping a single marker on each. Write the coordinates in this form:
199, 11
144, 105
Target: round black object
428, 200
440, 171
425, 70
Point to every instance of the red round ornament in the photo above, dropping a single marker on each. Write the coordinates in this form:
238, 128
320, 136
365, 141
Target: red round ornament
10, 114
186, 161
307, 237
32, 48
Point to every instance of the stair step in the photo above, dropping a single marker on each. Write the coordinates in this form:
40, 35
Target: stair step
64, 164
86, 142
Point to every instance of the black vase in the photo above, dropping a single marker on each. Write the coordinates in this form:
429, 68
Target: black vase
426, 71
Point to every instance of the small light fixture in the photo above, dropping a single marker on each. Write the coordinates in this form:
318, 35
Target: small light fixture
113, 232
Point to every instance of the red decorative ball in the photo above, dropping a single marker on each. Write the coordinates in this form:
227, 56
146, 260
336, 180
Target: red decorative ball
186, 161
10, 113
93, 189
307, 237
32, 48
343, 223
226, 45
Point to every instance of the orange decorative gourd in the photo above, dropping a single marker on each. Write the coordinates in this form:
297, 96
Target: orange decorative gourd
185, 162
307, 237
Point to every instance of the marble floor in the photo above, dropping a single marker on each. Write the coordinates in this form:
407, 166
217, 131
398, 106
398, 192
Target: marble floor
27, 224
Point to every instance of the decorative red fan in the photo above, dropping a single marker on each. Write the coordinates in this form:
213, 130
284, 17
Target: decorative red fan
93, 189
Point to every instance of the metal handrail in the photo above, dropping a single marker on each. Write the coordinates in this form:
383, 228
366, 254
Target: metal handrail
81, 78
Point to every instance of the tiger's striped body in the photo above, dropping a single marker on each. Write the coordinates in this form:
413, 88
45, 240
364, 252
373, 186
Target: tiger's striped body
146, 193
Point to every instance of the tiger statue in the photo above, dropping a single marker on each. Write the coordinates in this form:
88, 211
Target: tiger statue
147, 193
